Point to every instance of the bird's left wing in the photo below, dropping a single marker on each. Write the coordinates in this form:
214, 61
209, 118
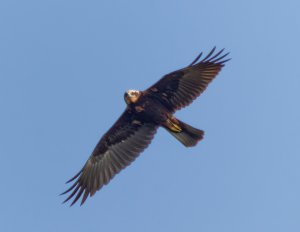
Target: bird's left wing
179, 88
126, 139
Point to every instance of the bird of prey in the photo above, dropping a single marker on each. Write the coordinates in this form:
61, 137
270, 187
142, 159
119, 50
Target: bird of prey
145, 112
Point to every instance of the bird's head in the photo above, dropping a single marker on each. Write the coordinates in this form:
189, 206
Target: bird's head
131, 96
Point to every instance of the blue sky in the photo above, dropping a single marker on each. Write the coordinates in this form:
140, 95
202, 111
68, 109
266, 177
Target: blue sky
64, 68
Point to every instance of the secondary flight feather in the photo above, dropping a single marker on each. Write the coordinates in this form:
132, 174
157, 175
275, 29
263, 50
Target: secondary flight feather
145, 112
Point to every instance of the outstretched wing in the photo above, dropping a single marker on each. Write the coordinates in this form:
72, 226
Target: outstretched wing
127, 138
178, 89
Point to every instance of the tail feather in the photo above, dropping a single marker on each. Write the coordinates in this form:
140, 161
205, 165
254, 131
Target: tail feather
188, 136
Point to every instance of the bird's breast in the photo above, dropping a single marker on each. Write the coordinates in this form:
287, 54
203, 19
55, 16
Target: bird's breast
150, 110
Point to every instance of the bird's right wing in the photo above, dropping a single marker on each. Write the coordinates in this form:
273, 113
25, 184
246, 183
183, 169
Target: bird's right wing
127, 138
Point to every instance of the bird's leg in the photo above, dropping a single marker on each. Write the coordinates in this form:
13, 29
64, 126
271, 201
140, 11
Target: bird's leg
172, 124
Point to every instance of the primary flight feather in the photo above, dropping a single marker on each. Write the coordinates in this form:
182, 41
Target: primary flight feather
146, 111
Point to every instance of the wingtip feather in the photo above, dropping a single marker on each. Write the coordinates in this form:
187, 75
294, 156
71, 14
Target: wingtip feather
211, 57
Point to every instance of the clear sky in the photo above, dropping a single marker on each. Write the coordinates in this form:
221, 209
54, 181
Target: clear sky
64, 67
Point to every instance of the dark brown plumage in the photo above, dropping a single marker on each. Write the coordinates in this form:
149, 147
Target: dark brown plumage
146, 111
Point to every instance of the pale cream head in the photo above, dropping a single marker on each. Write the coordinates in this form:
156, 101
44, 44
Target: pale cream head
131, 96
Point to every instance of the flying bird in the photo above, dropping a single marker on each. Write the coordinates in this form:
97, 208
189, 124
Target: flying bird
145, 112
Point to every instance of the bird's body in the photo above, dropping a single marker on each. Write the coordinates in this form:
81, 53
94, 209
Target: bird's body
146, 111
149, 109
